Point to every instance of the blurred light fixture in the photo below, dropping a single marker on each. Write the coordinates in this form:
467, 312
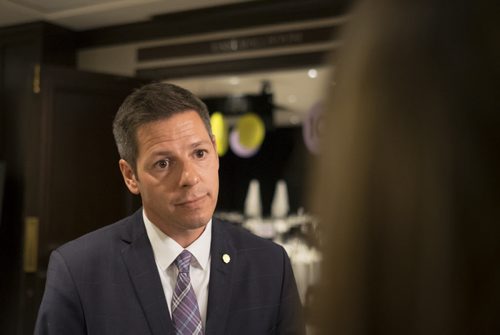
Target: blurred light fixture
247, 136
220, 131
312, 73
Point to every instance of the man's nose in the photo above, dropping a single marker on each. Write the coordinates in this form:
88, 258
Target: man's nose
188, 174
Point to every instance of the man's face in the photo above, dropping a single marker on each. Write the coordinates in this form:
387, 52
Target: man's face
177, 173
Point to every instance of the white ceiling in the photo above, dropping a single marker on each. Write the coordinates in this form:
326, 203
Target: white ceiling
88, 14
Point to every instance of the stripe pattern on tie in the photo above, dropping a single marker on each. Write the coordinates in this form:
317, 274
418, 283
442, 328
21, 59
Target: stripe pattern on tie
185, 312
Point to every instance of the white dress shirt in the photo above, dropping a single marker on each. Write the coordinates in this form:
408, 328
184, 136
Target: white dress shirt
166, 250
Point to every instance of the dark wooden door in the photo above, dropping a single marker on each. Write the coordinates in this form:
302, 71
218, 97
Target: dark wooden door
72, 176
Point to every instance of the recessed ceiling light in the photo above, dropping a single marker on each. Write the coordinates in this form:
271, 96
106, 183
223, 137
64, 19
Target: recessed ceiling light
312, 73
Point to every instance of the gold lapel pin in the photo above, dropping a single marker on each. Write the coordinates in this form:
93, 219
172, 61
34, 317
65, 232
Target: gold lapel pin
226, 258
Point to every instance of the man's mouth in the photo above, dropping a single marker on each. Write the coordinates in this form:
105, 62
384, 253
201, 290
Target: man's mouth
191, 201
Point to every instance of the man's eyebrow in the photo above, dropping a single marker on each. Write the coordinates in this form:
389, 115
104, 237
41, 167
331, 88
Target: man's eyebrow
162, 153
200, 143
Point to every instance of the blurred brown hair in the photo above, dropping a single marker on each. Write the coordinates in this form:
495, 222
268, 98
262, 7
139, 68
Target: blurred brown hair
408, 187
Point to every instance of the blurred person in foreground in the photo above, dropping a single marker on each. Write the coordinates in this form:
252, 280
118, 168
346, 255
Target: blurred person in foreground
408, 187
169, 268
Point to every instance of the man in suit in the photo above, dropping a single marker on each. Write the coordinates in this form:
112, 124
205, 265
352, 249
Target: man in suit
128, 277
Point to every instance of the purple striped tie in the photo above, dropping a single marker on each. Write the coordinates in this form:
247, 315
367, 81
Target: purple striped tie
185, 312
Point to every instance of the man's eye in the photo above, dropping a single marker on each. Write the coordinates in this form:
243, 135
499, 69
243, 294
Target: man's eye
163, 164
200, 153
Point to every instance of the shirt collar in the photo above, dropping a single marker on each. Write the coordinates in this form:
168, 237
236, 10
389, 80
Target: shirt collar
166, 249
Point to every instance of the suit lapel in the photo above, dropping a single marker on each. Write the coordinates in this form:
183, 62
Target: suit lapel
219, 288
139, 260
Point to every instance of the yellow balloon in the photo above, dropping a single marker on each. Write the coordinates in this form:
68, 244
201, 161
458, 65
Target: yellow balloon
251, 130
219, 129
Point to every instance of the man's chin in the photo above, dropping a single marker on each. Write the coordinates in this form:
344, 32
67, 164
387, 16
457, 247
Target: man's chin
196, 223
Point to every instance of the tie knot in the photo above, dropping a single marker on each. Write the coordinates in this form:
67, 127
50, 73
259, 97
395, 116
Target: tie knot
182, 261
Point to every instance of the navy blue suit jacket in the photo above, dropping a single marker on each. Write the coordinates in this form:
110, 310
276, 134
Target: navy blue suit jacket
107, 282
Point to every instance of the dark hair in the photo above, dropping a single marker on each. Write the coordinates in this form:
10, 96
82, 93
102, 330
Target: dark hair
409, 184
152, 102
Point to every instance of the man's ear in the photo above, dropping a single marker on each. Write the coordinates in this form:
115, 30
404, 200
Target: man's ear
129, 176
